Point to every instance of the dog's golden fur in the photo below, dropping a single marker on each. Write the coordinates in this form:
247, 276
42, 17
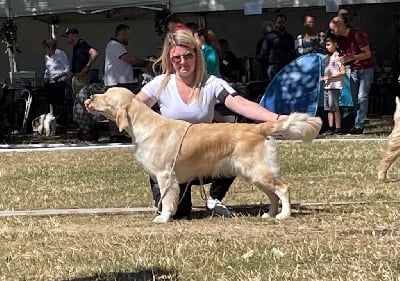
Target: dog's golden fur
176, 151
393, 147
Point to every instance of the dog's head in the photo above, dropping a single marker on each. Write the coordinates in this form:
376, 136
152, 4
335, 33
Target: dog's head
113, 104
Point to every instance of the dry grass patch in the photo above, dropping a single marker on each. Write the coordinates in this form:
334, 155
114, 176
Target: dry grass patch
323, 242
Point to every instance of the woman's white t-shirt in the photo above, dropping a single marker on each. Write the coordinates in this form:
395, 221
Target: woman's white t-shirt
172, 106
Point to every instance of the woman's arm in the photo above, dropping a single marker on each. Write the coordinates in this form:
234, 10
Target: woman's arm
250, 109
145, 99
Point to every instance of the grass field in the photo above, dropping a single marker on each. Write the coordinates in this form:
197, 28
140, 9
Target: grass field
355, 240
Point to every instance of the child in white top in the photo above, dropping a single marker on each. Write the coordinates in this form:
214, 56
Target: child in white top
333, 78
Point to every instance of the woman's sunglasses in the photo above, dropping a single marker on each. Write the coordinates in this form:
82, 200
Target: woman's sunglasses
178, 59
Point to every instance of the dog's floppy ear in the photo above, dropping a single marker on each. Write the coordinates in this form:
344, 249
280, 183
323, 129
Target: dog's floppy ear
122, 119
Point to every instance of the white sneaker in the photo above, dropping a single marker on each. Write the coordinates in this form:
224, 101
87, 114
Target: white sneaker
216, 208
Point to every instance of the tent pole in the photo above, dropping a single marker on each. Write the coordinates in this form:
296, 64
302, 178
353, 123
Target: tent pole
53, 25
10, 48
11, 59
53, 31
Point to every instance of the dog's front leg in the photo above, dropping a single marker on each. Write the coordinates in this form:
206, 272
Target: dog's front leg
169, 189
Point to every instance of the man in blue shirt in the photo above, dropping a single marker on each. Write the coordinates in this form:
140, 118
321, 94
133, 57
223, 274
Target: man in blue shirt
83, 57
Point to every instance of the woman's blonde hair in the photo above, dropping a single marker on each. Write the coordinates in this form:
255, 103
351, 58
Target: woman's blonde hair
182, 38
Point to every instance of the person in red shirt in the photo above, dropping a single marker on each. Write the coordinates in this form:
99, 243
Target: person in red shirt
174, 23
356, 52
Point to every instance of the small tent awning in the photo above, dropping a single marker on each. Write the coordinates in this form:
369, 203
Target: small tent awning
22, 8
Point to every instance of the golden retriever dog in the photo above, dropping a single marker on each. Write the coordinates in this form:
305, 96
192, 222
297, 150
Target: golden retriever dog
393, 147
176, 151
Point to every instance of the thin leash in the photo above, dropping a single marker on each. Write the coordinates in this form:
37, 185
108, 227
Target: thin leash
172, 168
203, 193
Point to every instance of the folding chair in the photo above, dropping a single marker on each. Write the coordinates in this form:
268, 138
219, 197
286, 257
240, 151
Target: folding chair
27, 95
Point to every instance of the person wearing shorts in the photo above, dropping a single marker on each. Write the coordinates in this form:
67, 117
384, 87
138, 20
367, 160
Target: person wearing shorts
334, 72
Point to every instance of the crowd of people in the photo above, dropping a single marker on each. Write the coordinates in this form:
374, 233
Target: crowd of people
352, 52
344, 47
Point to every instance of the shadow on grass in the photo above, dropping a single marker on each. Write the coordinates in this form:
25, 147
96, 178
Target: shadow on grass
144, 274
260, 209
391, 180
371, 232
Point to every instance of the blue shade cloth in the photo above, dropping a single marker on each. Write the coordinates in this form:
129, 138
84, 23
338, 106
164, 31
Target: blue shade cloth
296, 88
345, 98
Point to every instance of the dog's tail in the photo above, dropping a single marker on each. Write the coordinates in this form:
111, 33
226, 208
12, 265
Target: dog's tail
298, 126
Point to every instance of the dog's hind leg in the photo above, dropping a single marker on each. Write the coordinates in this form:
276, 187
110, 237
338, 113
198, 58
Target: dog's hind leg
282, 191
274, 199
169, 189
393, 147
266, 176
276, 190
391, 154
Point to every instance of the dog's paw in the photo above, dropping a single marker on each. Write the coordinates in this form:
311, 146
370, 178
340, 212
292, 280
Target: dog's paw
282, 216
382, 177
161, 219
267, 216
279, 216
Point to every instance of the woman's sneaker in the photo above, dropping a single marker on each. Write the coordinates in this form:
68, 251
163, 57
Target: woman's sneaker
215, 208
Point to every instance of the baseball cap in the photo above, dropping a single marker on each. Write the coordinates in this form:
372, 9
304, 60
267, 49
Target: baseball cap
70, 30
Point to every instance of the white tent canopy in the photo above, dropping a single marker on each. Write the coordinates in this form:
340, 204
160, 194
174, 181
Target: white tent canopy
21, 8
187, 6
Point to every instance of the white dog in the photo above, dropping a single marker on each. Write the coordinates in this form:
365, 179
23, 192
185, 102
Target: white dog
45, 124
